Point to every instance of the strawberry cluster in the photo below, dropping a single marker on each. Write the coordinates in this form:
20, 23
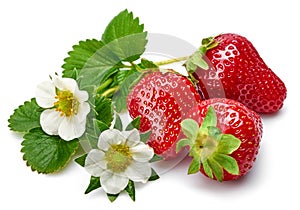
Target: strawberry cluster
213, 111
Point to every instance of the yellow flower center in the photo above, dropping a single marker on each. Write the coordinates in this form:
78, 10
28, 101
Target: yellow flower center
66, 103
118, 158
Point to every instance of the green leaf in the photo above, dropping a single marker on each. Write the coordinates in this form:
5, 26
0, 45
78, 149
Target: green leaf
182, 143
154, 176
194, 166
124, 39
47, 154
134, 124
79, 56
145, 136
130, 189
103, 64
25, 117
216, 169
118, 123
104, 110
94, 184
156, 158
228, 163
209, 120
81, 160
123, 24
228, 144
190, 128
120, 96
112, 197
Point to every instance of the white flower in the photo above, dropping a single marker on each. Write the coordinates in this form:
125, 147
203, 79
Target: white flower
66, 107
121, 156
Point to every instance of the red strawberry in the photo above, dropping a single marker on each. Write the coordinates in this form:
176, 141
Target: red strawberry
161, 101
227, 142
235, 70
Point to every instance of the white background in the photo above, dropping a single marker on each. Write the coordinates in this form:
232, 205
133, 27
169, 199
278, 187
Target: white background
35, 38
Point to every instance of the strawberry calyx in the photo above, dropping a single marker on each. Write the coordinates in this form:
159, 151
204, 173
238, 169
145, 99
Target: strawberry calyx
209, 147
197, 59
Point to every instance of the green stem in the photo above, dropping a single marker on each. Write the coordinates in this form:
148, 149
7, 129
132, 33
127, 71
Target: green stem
173, 60
110, 91
104, 85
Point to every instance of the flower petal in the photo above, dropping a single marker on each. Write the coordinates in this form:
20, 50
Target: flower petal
132, 137
70, 128
138, 172
142, 152
65, 83
45, 94
95, 163
83, 111
113, 183
110, 137
81, 95
50, 120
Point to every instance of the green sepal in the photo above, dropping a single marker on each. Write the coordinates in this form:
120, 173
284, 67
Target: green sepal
145, 136
154, 176
130, 189
190, 128
155, 158
118, 123
214, 132
216, 169
228, 144
228, 163
207, 44
196, 60
146, 64
207, 169
210, 148
25, 117
182, 143
135, 123
207, 41
81, 160
209, 120
194, 166
112, 197
93, 185
47, 154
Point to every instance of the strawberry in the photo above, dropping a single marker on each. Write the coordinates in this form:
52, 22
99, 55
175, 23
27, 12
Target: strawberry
161, 101
226, 144
232, 68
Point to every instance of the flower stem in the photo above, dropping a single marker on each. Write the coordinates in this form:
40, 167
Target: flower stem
110, 91
173, 60
104, 85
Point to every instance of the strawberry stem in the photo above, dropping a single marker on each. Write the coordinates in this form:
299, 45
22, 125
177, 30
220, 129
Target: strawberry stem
170, 61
